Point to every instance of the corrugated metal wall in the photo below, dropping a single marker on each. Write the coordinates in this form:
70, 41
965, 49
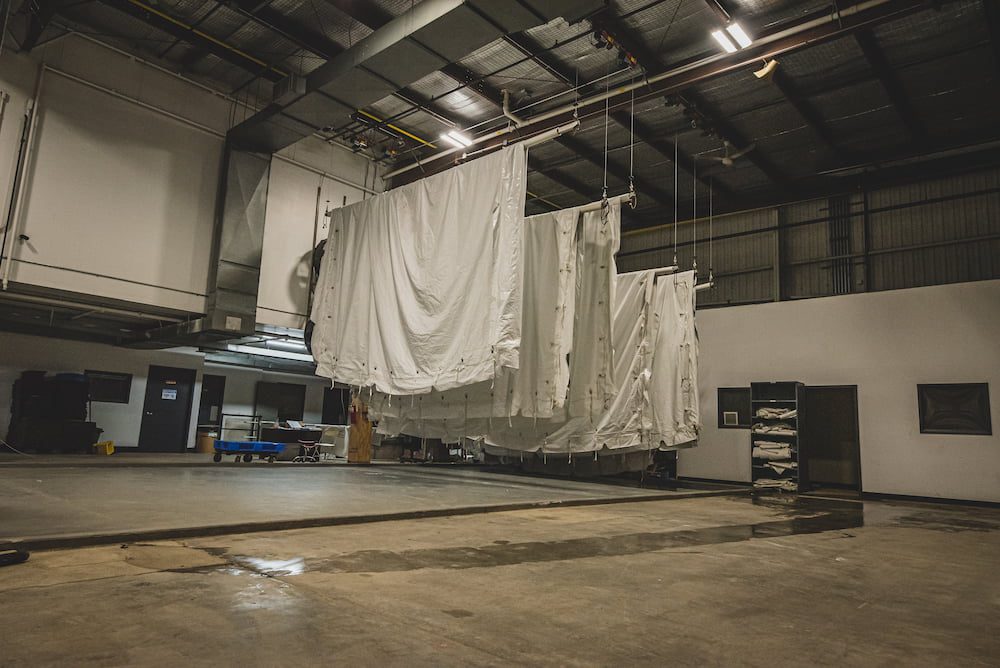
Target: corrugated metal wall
941, 231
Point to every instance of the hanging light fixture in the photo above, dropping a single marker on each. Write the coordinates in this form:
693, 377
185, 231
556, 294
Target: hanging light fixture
724, 41
733, 38
736, 31
456, 139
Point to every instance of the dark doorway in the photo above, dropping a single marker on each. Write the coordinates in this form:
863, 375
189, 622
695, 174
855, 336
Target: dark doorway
336, 402
166, 412
830, 445
213, 391
278, 402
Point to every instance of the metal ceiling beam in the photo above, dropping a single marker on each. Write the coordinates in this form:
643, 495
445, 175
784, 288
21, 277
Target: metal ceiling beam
196, 37
991, 11
643, 185
527, 46
650, 61
720, 10
566, 181
314, 41
41, 13
373, 17
805, 109
890, 82
788, 37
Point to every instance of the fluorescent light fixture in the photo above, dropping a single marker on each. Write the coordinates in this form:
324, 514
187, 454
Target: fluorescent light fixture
456, 139
724, 41
264, 352
737, 32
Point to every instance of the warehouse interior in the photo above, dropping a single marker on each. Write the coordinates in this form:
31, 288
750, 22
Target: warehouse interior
370, 330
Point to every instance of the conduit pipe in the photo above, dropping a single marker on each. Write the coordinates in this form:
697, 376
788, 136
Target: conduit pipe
517, 120
20, 174
726, 63
624, 198
535, 140
93, 310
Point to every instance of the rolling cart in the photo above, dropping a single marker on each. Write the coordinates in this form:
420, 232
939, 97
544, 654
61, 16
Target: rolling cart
246, 450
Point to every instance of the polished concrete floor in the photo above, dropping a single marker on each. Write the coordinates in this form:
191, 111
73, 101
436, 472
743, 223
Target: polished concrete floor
56, 502
723, 581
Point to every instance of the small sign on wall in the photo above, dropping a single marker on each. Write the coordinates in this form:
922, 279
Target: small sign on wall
170, 395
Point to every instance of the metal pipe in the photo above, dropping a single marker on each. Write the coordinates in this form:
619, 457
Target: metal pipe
24, 156
534, 140
624, 198
727, 63
704, 286
49, 301
517, 120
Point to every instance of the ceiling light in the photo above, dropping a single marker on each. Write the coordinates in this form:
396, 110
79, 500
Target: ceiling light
456, 139
723, 41
737, 32
264, 352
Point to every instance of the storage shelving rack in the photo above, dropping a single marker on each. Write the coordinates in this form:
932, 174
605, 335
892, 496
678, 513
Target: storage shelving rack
782, 395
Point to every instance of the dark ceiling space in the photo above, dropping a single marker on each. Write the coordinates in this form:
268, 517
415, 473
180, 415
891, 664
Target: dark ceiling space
911, 90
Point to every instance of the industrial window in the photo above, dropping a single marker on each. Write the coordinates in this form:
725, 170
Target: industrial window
110, 387
280, 401
958, 408
734, 408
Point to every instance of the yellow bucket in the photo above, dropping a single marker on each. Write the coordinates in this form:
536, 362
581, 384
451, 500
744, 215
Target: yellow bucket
105, 448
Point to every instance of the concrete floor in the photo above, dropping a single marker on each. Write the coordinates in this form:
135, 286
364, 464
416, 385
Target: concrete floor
704, 581
49, 502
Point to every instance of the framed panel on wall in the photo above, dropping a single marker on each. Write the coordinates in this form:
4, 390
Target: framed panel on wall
108, 386
734, 408
955, 408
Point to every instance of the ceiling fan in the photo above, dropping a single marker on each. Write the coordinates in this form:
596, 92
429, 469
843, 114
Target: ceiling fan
728, 158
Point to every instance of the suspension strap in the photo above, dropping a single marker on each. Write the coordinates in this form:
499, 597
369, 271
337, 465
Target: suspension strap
711, 256
631, 148
676, 155
694, 219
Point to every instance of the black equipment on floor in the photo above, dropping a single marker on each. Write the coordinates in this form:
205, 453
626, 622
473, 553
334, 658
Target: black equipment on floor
49, 413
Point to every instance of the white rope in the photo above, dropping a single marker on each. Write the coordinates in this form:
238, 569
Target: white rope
631, 142
607, 113
711, 254
676, 151
694, 218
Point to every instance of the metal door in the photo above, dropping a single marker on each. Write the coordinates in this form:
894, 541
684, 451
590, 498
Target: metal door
166, 412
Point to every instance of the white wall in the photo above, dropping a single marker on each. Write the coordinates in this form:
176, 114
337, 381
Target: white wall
121, 192
120, 422
295, 222
883, 342
241, 385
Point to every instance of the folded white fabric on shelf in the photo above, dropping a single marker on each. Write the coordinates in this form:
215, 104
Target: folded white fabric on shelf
782, 413
782, 467
785, 484
420, 287
772, 451
780, 429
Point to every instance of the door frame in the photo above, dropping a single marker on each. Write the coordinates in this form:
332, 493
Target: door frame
183, 375
857, 426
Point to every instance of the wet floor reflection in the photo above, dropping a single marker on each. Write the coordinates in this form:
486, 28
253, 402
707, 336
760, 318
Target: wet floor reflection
805, 517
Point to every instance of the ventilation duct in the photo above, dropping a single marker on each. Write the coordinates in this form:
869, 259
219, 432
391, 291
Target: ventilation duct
235, 277
420, 41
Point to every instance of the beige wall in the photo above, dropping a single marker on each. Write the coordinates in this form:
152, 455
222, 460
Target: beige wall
885, 343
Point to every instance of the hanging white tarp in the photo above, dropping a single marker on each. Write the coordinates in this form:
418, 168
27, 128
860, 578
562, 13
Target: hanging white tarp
569, 276
420, 287
654, 402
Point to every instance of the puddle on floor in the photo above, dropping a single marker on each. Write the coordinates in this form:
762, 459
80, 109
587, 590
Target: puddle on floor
506, 554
